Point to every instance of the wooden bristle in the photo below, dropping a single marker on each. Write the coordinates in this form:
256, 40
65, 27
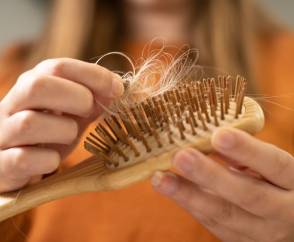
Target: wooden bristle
188, 110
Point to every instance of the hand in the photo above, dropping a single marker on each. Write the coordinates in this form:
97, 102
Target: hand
234, 205
45, 112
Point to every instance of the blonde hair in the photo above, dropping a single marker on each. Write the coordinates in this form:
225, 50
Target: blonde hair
225, 32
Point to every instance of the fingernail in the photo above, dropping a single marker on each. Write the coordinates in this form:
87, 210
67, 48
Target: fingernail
117, 86
164, 183
184, 160
224, 139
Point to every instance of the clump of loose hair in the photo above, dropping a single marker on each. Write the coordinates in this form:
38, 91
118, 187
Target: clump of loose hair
159, 72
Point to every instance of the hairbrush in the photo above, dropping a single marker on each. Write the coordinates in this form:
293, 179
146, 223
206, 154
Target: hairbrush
130, 145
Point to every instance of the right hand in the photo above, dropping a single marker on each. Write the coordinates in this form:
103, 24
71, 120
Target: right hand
44, 114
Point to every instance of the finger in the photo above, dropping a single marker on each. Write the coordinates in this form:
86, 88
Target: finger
273, 163
102, 82
31, 127
51, 93
253, 195
212, 211
18, 165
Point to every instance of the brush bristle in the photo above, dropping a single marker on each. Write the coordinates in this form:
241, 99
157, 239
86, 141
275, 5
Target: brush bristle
171, 119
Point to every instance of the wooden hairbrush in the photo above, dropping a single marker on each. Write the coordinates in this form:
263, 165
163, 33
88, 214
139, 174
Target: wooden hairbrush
130, 145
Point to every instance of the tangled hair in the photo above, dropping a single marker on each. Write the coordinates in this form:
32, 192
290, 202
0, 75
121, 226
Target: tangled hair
156, 72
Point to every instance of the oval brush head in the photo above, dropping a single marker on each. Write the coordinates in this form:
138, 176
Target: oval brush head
184, 116
130, 145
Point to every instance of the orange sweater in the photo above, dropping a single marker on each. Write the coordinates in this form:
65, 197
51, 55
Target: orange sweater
138, 213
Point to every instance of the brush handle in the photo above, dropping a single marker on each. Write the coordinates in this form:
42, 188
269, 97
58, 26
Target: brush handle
88, 176
51, 188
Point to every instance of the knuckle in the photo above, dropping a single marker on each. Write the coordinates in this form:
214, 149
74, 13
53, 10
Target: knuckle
36, 83
24, 77
25, 121
57, 67
52, 66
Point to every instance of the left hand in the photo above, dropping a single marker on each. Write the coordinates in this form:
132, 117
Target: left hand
234, 205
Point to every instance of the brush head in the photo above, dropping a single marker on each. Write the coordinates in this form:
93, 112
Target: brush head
171, 120
130, 145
